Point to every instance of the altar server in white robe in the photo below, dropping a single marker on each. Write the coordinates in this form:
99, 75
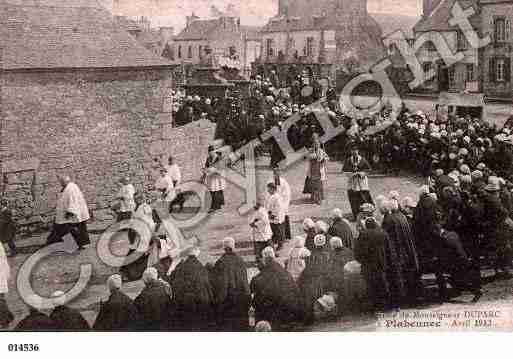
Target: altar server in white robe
126, 199
214, 180
285, 193
71, 214
165, 188
173, 171
274, 206
261, 231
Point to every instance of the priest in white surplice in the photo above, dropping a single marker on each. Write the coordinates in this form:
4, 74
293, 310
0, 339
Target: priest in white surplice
173, 171
285, 193
71, 214
274, 206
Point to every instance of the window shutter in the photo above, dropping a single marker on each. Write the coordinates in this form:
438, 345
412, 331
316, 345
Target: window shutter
507, 29
507, 69
491, 70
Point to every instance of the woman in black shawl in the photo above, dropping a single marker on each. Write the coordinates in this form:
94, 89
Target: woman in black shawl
370, 252
400, 248
314, 280
193, 294
275, 294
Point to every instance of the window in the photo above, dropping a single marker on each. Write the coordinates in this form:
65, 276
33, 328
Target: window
430, 46
269, 47
500, 67
232, 50
189, 52
461, 41
452, 76
471, 73
427, 67
292, 43
410, 42
180, 51
309, 46
500, 30
200, 51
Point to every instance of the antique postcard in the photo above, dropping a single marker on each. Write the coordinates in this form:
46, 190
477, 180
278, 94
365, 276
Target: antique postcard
255, 166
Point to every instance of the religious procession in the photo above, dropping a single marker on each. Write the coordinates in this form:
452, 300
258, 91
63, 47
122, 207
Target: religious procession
368, 261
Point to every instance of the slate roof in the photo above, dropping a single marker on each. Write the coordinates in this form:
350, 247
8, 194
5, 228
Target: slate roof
198, 30
128, 24
211, 29
390, 23
49, 34
438, 20
282, 24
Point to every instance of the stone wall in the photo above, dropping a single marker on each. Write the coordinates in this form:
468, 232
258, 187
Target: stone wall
96, 126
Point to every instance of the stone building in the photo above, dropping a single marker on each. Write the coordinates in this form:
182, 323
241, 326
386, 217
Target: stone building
159, 41
320, 37
80, 96
482, 70
224, 37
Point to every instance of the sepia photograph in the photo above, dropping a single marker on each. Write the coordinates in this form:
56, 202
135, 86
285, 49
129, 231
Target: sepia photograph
286, 166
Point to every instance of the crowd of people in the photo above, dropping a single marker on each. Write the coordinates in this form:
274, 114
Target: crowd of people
461, 222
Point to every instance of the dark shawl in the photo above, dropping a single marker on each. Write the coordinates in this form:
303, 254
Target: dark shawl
338, 259
309, 241
400, 252
342, 229
36, 322
6, 317
7, 226
118, 313
425, 228
276, 295
194, 297
314, 281
399, 231
231, 289
370, 251
69, 319
154, 306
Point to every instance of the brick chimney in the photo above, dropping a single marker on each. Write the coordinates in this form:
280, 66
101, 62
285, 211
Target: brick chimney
428, 6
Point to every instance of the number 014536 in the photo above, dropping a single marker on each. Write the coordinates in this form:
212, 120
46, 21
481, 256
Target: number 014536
23, 347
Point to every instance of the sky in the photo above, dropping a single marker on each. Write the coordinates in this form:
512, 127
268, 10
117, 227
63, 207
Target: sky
252, 12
